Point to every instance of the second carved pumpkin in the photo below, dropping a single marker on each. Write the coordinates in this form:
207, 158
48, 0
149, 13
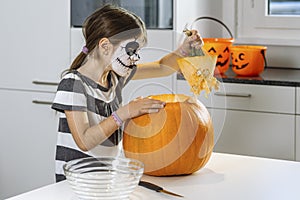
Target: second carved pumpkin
248, 60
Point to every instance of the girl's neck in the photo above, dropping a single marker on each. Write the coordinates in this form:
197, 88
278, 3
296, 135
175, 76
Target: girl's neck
96, 72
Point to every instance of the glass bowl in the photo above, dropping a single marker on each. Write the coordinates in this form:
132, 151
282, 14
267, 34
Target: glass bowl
103, 177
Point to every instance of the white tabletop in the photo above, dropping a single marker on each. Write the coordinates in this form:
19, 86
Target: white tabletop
224, 177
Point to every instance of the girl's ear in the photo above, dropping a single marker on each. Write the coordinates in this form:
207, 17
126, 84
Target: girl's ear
105, 45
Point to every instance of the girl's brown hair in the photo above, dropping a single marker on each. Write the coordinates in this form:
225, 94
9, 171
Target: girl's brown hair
109, 22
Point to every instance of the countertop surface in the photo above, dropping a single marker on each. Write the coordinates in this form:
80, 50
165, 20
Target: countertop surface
271, 76
225, 176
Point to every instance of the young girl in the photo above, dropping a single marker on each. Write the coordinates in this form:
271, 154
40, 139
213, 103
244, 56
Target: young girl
89, 95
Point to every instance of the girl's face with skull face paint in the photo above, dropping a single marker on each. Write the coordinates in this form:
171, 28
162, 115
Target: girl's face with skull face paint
125, 57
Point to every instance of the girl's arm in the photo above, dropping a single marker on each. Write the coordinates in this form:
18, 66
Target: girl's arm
168, 64
87, 137
164, 67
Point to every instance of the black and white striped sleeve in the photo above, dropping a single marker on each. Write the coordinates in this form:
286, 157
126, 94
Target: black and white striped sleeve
70, 95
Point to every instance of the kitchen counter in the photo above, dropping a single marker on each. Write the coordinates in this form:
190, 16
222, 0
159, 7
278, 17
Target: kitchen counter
225, 176
271, 76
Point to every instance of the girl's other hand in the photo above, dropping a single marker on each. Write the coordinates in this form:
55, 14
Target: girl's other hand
140, 106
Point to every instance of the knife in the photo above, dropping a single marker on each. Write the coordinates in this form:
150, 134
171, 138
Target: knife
157, 188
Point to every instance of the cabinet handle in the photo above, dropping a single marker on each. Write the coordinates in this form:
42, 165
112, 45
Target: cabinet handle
243, 95
45, 83
42, 102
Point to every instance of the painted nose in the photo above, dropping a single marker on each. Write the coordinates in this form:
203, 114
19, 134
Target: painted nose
134, 58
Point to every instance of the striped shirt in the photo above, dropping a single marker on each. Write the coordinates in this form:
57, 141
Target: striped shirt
77, 92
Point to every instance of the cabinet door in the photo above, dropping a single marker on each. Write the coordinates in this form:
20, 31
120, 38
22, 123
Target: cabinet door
298, 101
35, 42
298, 125
257, 134
298, 137
28, 139
263, 98
276, 99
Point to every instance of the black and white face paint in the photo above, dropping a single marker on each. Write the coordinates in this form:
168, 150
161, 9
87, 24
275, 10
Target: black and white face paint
125, 57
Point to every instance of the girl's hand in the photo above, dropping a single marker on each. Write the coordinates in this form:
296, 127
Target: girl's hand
139, 107
193, 40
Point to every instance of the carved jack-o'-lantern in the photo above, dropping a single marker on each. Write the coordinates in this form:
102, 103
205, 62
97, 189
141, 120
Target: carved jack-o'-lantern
219, 47
248, 60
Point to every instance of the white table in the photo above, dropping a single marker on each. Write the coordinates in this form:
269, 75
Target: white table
224, 177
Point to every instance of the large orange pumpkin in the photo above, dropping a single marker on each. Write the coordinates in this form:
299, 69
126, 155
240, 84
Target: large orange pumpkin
177, 140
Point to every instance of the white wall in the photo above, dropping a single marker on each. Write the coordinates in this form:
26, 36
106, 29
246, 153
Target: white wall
187, 11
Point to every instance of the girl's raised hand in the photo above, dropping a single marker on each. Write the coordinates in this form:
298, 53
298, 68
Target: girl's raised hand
193, 40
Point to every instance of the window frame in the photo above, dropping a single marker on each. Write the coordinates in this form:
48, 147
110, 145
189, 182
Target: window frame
252, 24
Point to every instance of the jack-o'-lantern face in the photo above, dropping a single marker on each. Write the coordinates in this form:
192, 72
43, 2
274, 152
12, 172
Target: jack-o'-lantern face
239, 61
219, 47
248, 60
223, 56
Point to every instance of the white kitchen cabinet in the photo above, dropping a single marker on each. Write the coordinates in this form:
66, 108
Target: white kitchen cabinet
257, 120
28, 139
298, 137
275, 99
298, 101
298, 124
257, 134
35, 43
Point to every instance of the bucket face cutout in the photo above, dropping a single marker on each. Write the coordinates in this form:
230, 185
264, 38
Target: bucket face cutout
219, 47
248, 60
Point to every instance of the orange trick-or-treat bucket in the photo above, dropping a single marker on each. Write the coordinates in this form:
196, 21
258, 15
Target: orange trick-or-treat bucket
219, 47
248, 60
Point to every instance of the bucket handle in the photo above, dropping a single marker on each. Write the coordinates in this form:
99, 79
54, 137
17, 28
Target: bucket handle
216, 20
264, 56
